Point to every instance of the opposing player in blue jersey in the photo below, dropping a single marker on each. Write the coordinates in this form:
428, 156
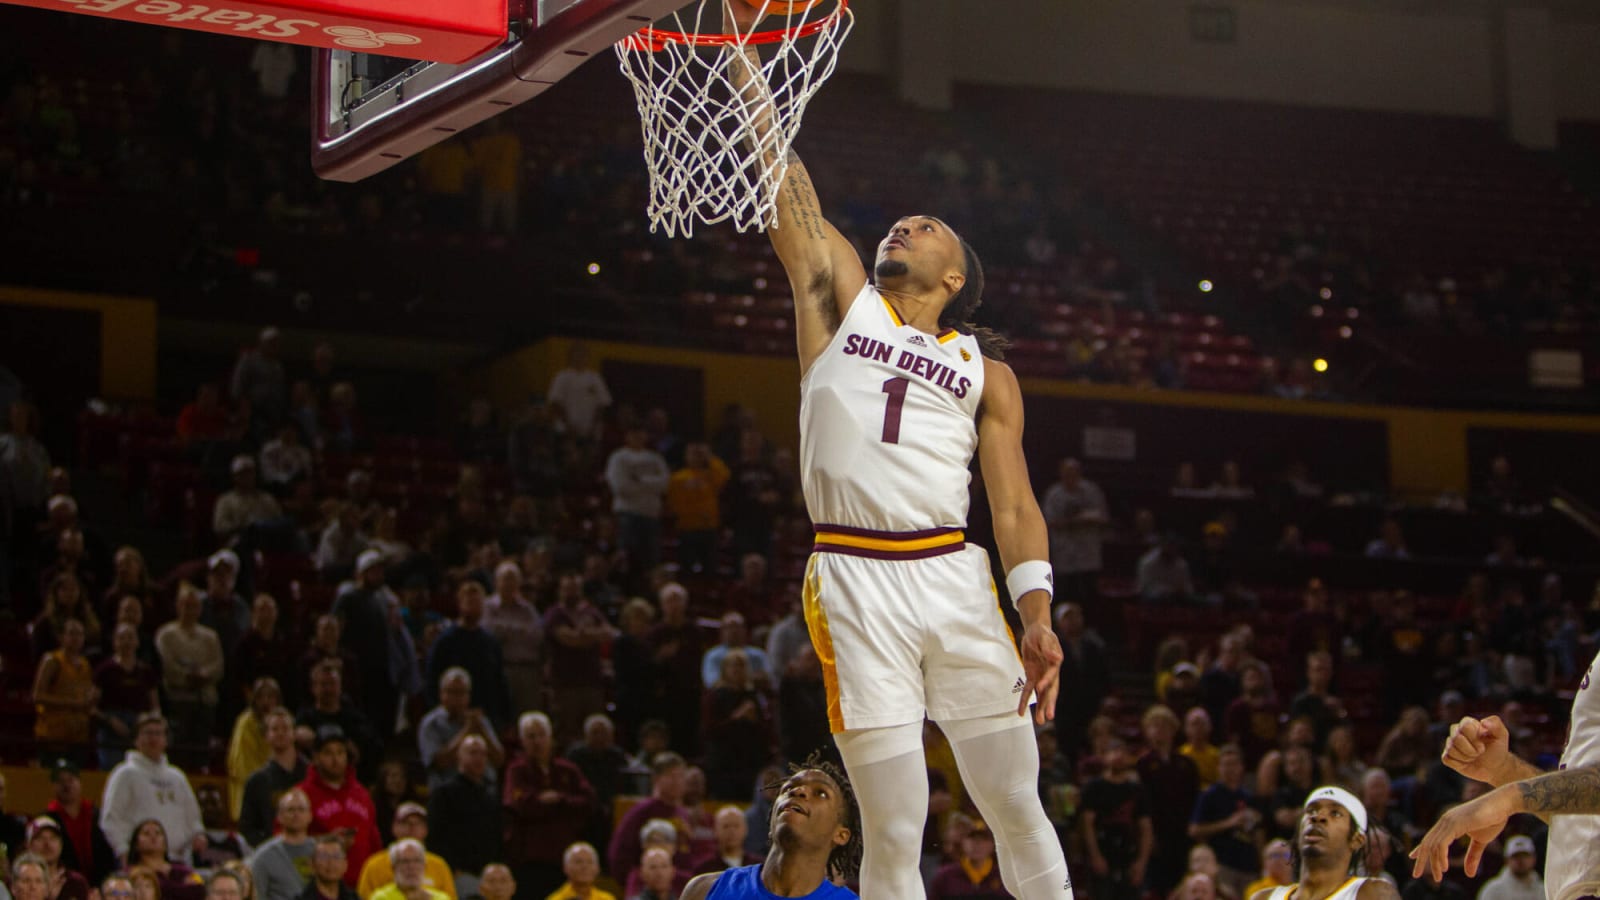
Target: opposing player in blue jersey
815, 832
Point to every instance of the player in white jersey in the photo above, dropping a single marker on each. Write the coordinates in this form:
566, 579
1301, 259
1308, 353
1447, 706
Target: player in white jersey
1568, 798
1331, 841
899, 392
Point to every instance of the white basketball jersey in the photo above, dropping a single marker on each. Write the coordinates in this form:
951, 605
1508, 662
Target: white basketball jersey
1572, 859
1346, 891
888, 423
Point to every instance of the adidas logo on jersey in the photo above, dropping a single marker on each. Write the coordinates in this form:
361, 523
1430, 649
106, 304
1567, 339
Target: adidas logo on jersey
1017, 688
916, 341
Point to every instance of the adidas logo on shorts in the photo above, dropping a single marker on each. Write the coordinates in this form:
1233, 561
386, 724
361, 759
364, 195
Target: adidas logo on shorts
1017, 688
916, 341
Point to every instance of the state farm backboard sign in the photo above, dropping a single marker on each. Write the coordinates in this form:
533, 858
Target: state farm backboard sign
453, 31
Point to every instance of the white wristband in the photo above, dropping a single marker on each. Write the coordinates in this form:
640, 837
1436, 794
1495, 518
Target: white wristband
1033, 575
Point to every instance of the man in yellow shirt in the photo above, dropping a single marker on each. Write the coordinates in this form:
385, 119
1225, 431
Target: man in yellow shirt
1198, 747
694, 501
408, 860
1277, 868
582, 866
410, 822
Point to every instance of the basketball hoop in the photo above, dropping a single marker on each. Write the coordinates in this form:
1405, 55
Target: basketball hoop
699, 146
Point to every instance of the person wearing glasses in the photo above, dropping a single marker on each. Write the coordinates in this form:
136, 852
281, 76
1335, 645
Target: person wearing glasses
1277, 867
328, 864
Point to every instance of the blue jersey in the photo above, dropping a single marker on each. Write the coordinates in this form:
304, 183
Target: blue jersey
744, 883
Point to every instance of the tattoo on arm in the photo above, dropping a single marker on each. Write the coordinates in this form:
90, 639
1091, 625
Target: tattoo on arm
1567, 792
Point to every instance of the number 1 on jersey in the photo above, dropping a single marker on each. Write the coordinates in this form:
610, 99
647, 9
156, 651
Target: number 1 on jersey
896, 389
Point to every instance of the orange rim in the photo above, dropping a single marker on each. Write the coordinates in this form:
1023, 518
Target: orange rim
655, 39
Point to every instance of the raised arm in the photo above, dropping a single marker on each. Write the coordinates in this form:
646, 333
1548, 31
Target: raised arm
824, 271
1019, 530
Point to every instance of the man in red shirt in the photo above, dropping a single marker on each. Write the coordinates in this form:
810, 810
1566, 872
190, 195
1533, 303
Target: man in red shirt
339, 804
547, 802
86, 850
666, 802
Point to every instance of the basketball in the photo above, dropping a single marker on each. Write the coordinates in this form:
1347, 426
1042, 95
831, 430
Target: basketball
779, 8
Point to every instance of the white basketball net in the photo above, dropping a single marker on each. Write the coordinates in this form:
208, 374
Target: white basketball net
698, 130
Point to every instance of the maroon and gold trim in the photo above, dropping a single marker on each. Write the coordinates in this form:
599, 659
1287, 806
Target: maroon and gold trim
948, 335
888, 544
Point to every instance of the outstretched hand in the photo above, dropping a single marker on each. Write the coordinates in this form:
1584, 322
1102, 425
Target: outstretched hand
1481, 821
1041, 664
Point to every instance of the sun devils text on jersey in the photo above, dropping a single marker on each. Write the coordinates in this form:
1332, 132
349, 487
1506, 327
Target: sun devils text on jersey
888, 423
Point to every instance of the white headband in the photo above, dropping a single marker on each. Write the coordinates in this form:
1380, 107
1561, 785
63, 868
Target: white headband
1356, 809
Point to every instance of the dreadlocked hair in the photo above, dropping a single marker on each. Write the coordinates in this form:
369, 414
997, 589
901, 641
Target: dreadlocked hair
958, 312
844, 861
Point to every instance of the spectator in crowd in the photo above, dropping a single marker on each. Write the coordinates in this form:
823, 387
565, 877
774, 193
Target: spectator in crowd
230, 882
1519, 877
327, 644
602, 764
1116, 826
547, 802
328, 707
694, 502
789, 634
264, 651
496, 882
259, 378
731, 832
408, 860
1173, 778
1277, 868
30, 878
1075, 511
1318, 702
219, 844
1314, 628
341, 544
1220, 685
1226, 818
410, 824
640, 684
1390, 542
516, 625
575, 632
578, 394
1339, 765
221, 609
1377, 795
358, 494
1197, 745
638, 478
64, 695
150, 849
338, 802
282, 864
668, 837
972, 874
581, 864
64, 601
247, 748
369, 617
285, 459
117, 886
86, 850
127, 686
330, 869
1289, 800
802, 708
470, 803
735, 636
1163, 574
1406, 748
754, 496
737, 727
144, 782
192, 663
385, 538
245, 504
443, 731
699, 831
393, 789
45, 841
1086, 665
1252, 717
466, 644
752, 596
676, 643
667, 772
130, 576
203, 419
656, 875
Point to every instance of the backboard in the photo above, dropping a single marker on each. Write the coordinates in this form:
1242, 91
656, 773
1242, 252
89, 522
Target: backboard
370, 112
